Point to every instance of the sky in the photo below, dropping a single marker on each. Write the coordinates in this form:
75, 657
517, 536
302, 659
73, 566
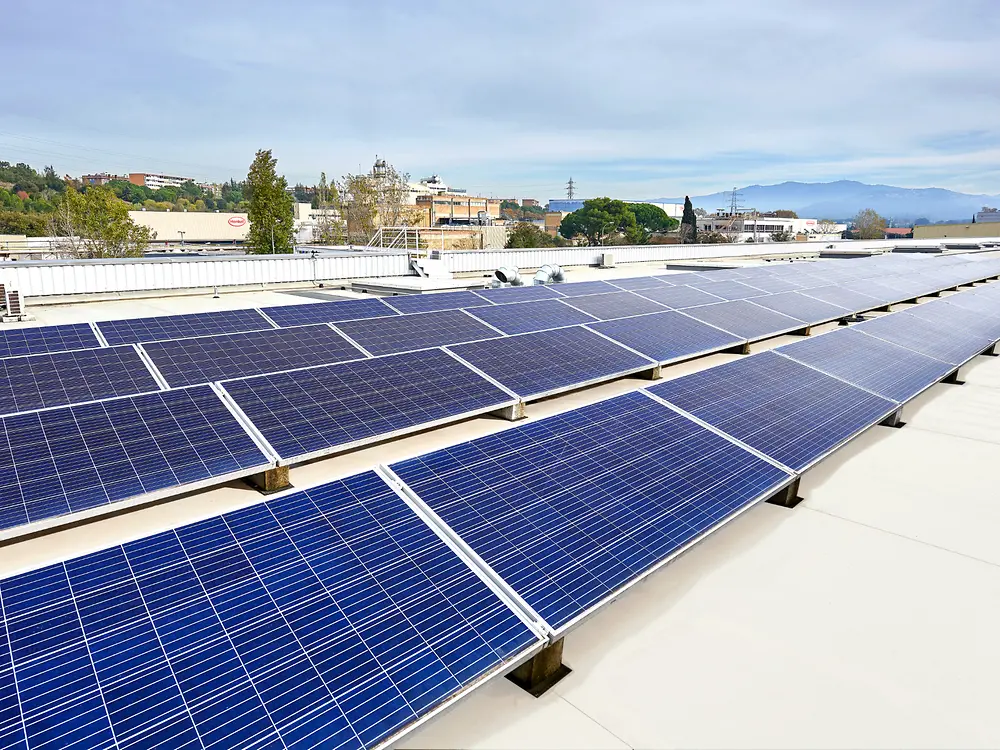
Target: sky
630, 99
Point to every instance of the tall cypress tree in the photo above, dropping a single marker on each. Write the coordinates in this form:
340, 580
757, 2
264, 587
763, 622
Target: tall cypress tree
689, 223
270, 211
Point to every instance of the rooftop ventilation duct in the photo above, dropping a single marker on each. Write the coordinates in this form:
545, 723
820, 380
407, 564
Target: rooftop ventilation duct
509, 275
548, 273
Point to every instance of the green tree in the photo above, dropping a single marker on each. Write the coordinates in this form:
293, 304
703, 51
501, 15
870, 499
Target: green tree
96, 224
689, 223
868, 225
784, 213
781, 236
652, 219
22, 222
270, 211
602, 221
528, 235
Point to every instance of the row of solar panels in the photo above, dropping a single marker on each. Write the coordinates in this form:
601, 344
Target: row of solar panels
77, 460
342, 615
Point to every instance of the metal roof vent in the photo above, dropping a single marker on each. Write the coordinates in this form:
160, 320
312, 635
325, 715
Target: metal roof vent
548, 273
509, 275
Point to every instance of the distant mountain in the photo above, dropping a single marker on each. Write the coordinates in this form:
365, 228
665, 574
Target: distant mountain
843, 199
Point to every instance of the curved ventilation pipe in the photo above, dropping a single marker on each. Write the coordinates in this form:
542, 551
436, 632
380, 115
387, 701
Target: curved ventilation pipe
548, 273
509, 275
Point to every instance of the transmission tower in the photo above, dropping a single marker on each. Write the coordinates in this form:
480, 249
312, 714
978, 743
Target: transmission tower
570, 189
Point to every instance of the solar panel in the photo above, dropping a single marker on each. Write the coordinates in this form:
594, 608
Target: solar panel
667, 336
639, 282
332, 617
615, 305
843, 297
680, 297
940, 312
525, 317
744, 319
208, 358
802, 307
160, 328
954, 345
886, 289
328, 312
407, 333
888, 370
77, 458
539, 364
319, 410
581, 288
772, 284
568, 510
730, 290
47, 339
790, 412
703, 280
44, 380
503, 295
417, 303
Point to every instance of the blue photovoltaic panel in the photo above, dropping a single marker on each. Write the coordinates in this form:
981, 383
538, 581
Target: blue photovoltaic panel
418, 303
986, 305
886, 289
639, 282
703, 280
744, 319
506, 294
525, 317
328, 312
842, 297
45, 380
785, 410
534, 364
138, 330
667, 336
328, 618
407, 333
208, 358
772, 284
680, 297
581, 288
886, 369
569, 509
730, 290
951, 344
75, 458
322, 409
46, 339
802, 307
941, 313
615, 305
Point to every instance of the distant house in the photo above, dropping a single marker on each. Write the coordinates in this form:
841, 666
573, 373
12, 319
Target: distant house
898, 233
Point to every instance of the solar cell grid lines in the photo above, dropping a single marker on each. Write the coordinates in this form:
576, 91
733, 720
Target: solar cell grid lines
504, 295
842, 297
139, 330
318, 410
581, 288
525, 317
941, 313
569, 509
667, 336
730, 290
640, 282
615, 305
404, 333
788, 411
802, 307
45, 380
417, 303
745, 319
886, 369
328, 312
680, 297
205, 359
952, 345
76, 458
47, 339
332, 617
537, 364
772, 284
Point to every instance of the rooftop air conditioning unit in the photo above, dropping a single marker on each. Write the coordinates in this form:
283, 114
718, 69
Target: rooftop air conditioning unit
607, 260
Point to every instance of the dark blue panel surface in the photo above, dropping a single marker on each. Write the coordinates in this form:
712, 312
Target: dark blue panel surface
955, 317
418, 303
536, 363
787, 411
504, 295
949, 343
633, 284
324, 408
46, 339
208, 358
731, 289
44, 380
615, 305
525, 317
802, 307
581, 288
408, 333
329, 618
886, 369
75, 458
138, 330
328, 312
667, 336
680, 297
569, 509
842, 297
772, 284
744, 319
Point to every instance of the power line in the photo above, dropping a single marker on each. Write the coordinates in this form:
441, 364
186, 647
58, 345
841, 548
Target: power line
570, 191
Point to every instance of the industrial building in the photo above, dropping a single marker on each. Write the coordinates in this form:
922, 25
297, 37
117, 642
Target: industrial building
157, 181
955, 231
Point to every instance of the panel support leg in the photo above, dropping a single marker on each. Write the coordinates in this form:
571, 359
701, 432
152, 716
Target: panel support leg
992, 352
788, 497
894, 420
807, 331
886, 308
743, 348
541, 671
952, 378
654, 373
511, 413
272, 480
